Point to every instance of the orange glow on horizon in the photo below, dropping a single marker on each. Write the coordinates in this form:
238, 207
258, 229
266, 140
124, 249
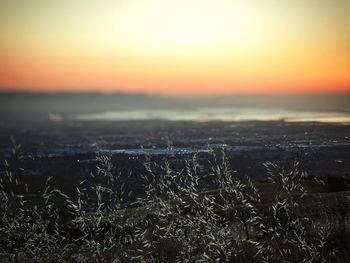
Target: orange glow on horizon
176, 47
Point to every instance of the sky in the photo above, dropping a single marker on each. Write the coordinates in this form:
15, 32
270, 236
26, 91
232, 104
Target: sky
175, 46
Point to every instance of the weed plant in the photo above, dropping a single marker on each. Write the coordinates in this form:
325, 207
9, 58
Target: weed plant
175, 221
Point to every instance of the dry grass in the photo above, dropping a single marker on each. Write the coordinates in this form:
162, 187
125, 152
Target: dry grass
288, 219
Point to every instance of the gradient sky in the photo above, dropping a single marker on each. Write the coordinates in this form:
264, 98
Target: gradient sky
175, 46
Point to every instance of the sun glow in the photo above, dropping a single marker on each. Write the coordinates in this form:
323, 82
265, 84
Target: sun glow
185, 25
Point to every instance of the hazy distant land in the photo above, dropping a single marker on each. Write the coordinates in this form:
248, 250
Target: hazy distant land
122, 106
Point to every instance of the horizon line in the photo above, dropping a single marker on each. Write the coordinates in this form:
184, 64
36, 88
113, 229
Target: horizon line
6, 90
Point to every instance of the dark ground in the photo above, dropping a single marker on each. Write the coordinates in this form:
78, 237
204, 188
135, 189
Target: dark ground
66, 150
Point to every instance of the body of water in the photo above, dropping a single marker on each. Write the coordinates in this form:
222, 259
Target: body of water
219, 114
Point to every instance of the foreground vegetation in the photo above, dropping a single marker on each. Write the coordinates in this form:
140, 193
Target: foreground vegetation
291, 218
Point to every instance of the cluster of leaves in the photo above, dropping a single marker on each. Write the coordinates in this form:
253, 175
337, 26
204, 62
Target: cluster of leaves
174, 222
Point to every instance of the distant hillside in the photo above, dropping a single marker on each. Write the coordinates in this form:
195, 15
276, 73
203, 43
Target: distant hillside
39, 105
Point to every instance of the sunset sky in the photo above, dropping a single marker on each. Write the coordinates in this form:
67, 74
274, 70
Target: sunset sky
175, 46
